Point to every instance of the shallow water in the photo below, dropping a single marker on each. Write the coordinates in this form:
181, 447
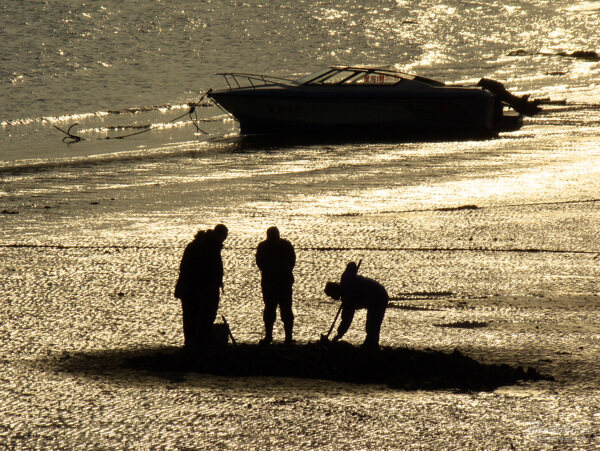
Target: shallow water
93, 232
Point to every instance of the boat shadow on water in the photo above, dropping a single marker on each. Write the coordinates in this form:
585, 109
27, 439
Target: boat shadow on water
399, 368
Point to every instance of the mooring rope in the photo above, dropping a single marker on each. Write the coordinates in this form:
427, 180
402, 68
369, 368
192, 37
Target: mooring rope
71, 138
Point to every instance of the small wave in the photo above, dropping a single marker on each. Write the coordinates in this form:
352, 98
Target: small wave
141, 128
77, 117
161, 108
52, 119
586, 7
22, 167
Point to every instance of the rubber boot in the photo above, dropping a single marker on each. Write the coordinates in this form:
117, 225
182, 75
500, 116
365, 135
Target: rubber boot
268, 335
289, 328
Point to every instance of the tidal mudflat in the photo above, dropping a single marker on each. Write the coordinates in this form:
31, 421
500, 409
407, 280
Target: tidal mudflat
89, 266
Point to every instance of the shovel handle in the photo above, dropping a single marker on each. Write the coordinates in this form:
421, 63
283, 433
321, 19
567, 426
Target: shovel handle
229, 330
340, 309
334, 320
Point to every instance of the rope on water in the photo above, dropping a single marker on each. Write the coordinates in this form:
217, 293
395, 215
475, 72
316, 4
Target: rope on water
71, 138
195, 119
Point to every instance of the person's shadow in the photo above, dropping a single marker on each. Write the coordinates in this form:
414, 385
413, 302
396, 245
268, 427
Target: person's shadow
400, 368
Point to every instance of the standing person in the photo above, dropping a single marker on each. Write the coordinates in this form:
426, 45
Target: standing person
276, 258
358, 292
200, 278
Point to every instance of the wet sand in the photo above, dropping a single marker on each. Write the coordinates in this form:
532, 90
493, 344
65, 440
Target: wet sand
88, 276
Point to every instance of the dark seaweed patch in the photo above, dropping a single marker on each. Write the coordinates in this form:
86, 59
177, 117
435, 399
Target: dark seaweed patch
464, 324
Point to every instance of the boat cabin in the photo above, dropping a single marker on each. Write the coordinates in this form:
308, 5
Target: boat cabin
345, 75
331, 76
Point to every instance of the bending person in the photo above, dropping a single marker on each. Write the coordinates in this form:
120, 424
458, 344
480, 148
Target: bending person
358, 292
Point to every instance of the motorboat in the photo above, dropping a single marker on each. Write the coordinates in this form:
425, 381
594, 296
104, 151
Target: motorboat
369, 101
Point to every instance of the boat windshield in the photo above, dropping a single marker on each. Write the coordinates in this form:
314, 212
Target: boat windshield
310, 77
360, 76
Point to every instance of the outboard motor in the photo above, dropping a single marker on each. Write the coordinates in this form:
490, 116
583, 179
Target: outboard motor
521, 104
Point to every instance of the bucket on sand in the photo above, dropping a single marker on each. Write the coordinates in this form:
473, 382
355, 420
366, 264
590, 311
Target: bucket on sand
219, 335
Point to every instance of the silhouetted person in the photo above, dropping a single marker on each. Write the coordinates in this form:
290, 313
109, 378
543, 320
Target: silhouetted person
200, 277
275, 257
358, 292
